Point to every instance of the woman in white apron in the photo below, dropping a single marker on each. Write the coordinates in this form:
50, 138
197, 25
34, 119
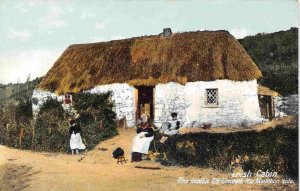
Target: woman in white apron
142, 140
75, 140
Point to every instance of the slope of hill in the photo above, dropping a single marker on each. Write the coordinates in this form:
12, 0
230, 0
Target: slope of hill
10, 93
276, 54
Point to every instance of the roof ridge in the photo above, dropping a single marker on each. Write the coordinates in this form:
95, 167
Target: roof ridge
144, 37
149, 60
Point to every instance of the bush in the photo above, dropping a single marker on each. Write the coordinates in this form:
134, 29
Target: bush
50, 130
54, 107
92, 134
96, 117
271, 149
24, 111
9, 125
99, 106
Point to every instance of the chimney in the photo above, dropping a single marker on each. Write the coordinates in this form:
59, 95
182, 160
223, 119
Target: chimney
167, 32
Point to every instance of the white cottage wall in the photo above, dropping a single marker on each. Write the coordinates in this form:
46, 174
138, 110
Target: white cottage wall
169, 98
41, 97
237, 103
123, 96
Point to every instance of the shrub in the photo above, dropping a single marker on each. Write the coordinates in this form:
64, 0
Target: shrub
96, 117
9, 126
50, 130
24, 110
100, 106
54, 107
271, 149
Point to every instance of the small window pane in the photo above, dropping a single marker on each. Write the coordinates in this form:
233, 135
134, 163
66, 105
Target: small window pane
212, 96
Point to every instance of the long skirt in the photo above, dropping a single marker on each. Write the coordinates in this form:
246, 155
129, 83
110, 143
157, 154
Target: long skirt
141, 145
76, 142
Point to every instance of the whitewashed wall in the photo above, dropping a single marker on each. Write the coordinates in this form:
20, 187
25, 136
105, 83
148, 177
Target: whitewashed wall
168, 98
41, 96
238, 103
287, 105
123, 96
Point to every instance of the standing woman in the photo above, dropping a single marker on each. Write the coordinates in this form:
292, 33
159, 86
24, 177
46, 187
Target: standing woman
75, 140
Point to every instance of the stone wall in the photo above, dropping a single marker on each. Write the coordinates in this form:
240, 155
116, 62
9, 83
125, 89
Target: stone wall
123, 96
287, 105
39, 97
237, 103
169, 98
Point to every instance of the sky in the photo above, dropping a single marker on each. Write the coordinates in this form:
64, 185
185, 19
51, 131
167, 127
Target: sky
34, 33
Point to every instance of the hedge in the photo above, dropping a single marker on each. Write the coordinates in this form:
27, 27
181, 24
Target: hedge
50, 130
270, 149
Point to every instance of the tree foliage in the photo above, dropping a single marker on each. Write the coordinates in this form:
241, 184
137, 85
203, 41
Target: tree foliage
276, 55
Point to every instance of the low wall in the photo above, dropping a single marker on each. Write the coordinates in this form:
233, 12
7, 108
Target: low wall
287, 105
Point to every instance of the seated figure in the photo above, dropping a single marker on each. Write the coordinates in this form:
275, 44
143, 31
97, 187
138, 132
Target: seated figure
174, 125
141, 141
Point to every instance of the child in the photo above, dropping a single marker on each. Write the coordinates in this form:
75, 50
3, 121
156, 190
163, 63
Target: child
75, 140
173, 127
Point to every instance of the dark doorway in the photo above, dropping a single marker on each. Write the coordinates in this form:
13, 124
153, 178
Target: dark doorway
267, 107
145, 101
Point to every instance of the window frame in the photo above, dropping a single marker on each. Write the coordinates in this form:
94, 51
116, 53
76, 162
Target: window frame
217, 98
68, 99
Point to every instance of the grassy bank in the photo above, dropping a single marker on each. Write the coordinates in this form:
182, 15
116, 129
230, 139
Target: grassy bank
273, 149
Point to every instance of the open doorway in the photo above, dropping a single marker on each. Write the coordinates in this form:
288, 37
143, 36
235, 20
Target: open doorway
267, 109
145, 101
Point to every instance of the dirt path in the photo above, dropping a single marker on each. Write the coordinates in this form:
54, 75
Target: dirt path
26, 170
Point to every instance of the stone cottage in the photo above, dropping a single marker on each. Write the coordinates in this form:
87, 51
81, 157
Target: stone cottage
204, 76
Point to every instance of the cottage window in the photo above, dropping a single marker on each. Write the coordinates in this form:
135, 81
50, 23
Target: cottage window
68, 99
211, 97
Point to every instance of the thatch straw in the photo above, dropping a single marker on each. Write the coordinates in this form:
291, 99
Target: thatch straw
183, 57
263, 90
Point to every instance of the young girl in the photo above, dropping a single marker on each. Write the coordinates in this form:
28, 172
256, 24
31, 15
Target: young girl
75, 140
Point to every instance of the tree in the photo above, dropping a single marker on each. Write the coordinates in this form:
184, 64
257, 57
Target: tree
27, 83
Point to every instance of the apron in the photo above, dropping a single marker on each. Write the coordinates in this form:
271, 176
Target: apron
76, 142
141, 145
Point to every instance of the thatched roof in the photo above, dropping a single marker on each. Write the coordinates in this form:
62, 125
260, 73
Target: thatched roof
263, 90
149, 60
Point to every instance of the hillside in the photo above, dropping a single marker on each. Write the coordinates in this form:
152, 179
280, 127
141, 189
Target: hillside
11, 92
276, 54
